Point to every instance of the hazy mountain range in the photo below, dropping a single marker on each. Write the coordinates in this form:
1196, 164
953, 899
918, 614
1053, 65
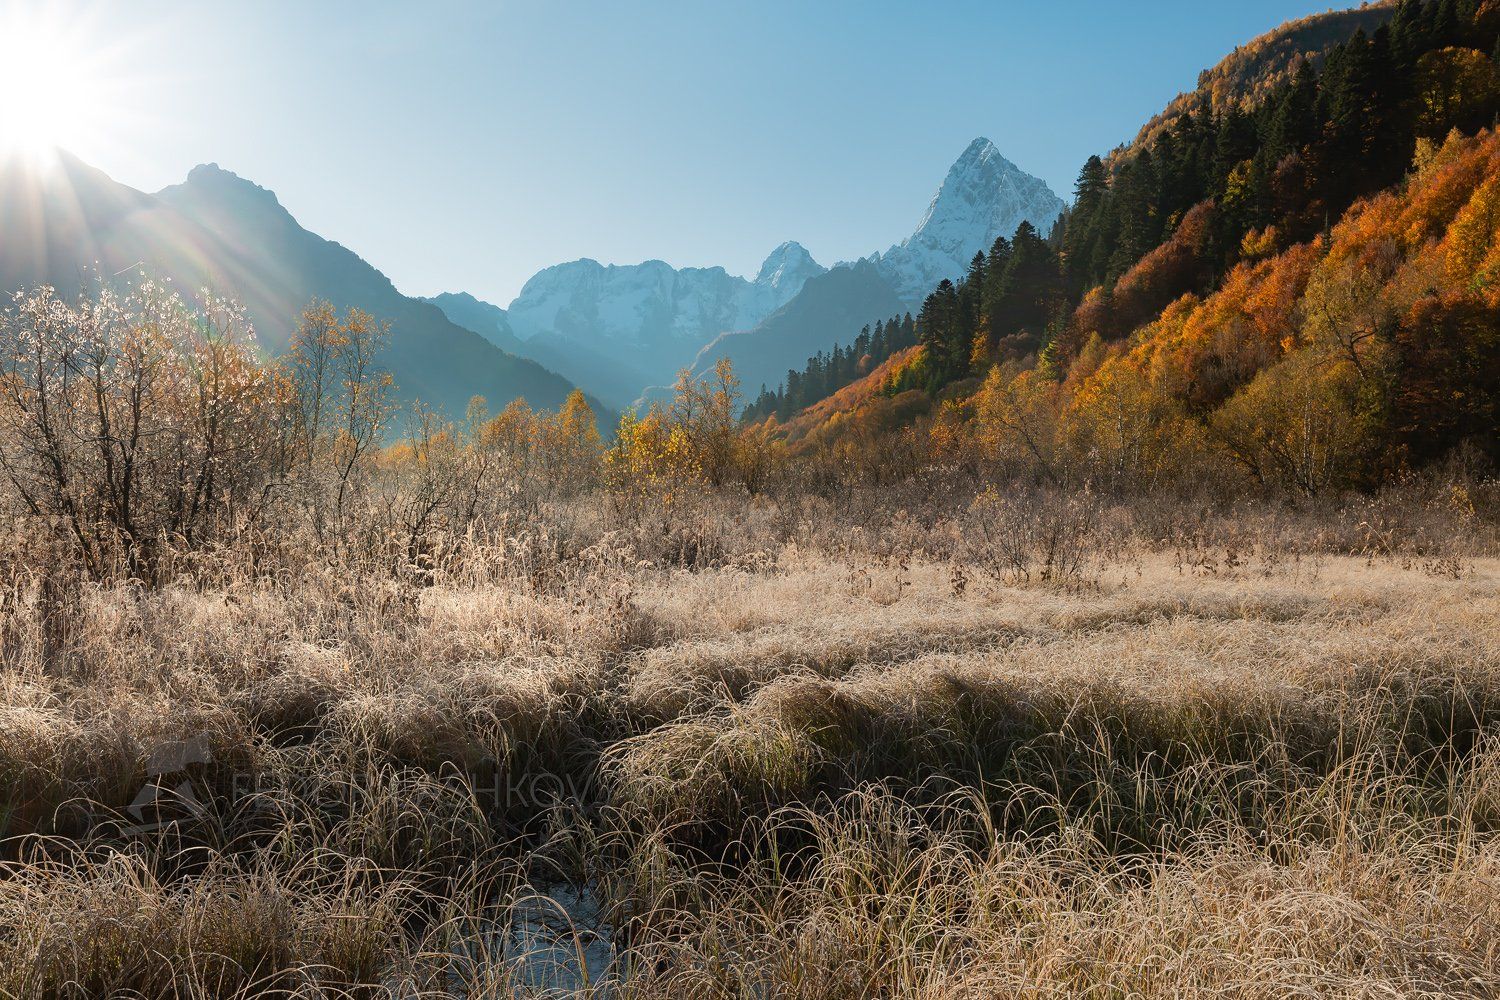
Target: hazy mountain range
616, 331
68, 224
624, 331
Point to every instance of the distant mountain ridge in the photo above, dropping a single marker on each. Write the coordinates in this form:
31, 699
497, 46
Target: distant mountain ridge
624, 331
69, 221
983, 196
616, 328
484, 318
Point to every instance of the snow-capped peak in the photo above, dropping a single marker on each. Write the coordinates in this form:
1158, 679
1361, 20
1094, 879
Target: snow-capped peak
651, 315
788, 263
984, 196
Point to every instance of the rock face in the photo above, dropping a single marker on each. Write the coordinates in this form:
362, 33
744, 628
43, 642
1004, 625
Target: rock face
984, 196
68, 221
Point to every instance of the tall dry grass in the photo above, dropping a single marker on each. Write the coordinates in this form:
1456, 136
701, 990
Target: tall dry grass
900, 745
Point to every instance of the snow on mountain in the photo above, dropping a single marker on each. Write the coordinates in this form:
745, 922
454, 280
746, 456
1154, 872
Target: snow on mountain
983, 196
618, 329
654, 306
784, 273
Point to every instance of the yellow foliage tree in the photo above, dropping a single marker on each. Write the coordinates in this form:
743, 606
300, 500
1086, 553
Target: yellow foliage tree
569, 446
704, 410
1015, 414
1472, 238
1125, 429
1298, 423
651, 461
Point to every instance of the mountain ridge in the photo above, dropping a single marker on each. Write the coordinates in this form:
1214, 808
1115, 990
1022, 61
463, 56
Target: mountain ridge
983, 196
617, 328
219, 230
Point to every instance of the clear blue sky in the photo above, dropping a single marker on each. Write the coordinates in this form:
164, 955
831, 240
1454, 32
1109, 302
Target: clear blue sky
467, 145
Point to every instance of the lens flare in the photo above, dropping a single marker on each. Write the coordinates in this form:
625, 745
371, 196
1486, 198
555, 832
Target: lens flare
58, 87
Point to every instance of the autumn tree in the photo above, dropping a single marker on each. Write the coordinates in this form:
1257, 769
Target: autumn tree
705, 411
652, 463
344, 401
430, 472
136, 419
1016, 421
503, 447
1297, 424
1131, 434
569, 446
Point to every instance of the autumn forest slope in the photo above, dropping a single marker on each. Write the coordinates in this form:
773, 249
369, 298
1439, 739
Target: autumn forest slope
1295, 278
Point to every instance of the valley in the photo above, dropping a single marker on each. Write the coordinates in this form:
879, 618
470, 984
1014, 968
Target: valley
1082, 597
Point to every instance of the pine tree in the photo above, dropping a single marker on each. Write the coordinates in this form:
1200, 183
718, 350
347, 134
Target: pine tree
1135, 188
1296, 125
1081, 233
937, 328
1234, 142
1352, 117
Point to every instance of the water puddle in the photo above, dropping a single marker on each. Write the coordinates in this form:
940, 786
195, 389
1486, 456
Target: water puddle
558, 944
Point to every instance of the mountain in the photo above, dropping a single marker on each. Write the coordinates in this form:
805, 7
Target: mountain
831, 307
484, 318
67, 221
617, 328
984, 196
1252, 71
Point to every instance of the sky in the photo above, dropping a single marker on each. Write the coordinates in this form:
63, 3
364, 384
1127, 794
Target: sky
467, 145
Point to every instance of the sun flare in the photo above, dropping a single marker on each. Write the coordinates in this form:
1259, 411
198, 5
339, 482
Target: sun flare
56, 88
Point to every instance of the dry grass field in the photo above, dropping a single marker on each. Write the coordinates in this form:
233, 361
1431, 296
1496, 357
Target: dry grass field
1117, 619
1255, 754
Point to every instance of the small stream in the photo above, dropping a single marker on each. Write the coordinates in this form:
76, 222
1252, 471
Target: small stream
558, 943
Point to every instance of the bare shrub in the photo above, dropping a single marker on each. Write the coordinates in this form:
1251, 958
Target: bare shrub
1047, 537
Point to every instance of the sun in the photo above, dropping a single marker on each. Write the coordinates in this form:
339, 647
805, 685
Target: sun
56, 88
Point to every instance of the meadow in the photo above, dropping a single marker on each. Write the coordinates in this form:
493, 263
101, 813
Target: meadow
1121, 621
910, 742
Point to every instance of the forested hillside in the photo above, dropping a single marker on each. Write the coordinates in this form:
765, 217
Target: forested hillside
1296, 279
829, 371
1245, 76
